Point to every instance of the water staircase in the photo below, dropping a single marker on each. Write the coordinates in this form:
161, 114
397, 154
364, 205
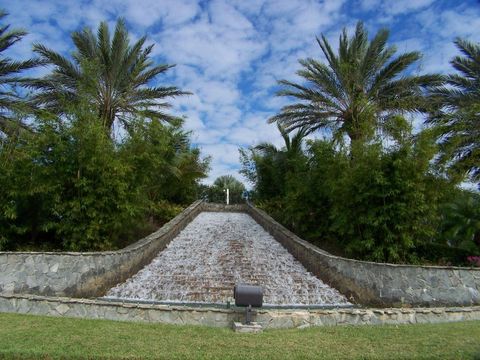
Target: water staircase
218, 250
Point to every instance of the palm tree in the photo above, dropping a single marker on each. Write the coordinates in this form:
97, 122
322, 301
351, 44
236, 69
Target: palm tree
217, 192
229, 182
109, 73
293, 145
461, 221
270, 165
354, 92
458, 121
9, 70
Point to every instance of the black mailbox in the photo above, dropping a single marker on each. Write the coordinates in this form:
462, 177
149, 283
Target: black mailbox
248, 296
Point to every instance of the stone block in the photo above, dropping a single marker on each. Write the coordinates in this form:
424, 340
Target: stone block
252, 328
62, 309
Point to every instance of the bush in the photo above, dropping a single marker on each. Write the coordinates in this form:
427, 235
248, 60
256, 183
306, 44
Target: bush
217, 193
443, 254
366, 200
69, 186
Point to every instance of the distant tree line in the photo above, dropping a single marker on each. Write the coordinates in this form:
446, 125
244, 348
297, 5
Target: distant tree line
373, 188
217, 192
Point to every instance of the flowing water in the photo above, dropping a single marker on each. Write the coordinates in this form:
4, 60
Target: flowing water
218, 250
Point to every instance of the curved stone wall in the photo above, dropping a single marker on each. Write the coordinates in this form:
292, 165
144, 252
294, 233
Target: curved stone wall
378, 283
88, 274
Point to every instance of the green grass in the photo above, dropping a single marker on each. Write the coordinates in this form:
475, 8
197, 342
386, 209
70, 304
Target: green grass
38, 337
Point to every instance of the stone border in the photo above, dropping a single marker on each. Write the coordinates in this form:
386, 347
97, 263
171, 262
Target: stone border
379, 283
268, 319
87, 274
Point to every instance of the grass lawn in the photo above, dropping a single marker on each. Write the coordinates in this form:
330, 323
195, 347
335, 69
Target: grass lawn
38, 337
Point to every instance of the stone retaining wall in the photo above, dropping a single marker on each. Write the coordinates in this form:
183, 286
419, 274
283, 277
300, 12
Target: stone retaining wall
268, 318
378, 283
88, 274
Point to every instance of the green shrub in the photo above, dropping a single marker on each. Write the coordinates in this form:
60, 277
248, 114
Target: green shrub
69, 186
366, 200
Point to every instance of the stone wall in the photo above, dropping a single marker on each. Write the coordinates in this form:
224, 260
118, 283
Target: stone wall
88, 274
268, 318
370, 283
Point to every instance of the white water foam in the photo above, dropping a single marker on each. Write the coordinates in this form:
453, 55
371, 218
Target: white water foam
218, 250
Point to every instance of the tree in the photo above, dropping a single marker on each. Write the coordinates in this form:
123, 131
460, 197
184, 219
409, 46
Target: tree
365, 199
9, 69
163, 161
293, 146
68, 186
65, 187
113, 75
385, 203
356, 91
229, 182
266, 166
458, 121
217, 192
461, 222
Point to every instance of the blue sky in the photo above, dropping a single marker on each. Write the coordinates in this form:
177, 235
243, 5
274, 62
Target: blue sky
231, 53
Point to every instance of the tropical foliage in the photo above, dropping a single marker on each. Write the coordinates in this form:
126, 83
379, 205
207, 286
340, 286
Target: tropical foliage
269, 167
458, 121
357, 90
10, 101
68, 184
380, 206
461, 225
109, 73
380, 196
217, 191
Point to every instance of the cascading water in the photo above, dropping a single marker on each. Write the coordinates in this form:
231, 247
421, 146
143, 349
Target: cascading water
213, 253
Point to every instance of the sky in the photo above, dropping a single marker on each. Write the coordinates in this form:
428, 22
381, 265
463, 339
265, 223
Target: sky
231, 53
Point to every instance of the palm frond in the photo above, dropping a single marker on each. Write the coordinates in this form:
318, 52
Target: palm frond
10, 101
109, 72
355, 88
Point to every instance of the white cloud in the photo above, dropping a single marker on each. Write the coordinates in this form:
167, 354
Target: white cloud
397, 7
440, 29
230, 53
193, 121
254, 130
403, 6
451, 24
410, 44
145, 13
220, 50
226, 16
